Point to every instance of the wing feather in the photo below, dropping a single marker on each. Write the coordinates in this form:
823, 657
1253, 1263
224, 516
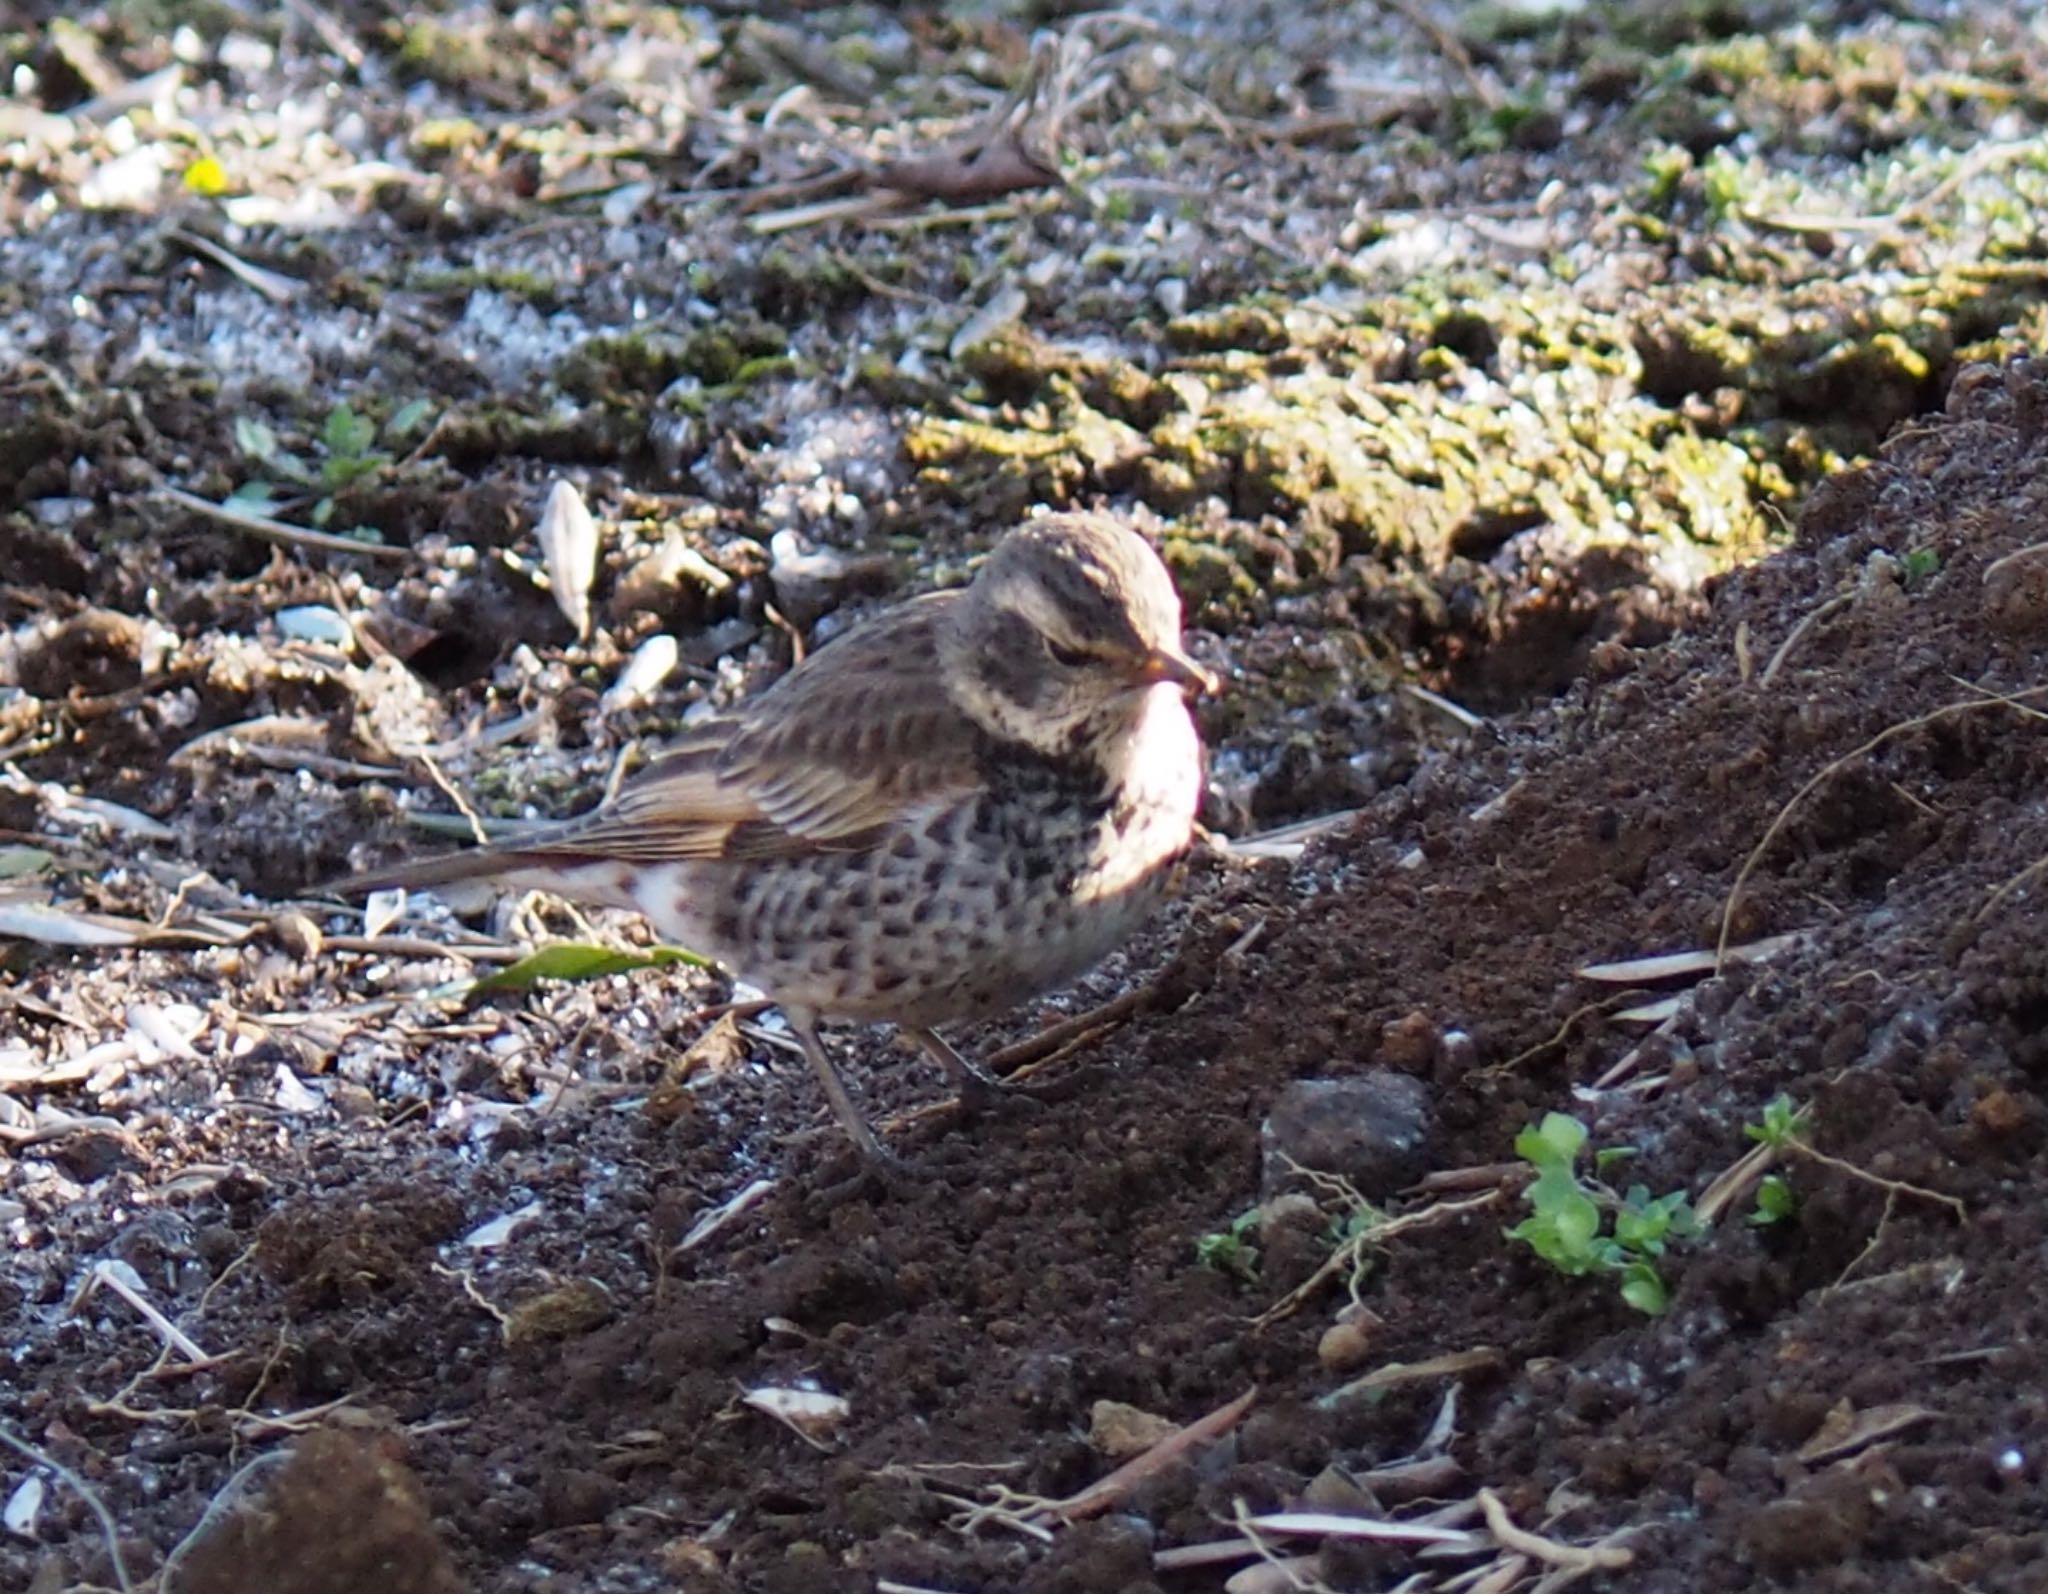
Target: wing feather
831, 758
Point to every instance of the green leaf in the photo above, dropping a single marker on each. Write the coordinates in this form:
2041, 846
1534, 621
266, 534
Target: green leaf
1643, 1289
18, 863
1920, 563
1782, 1123
1685, 1223
1640, 1229
1230, 1251
1553, 1142
1607, 1156
347, 435
255, 439
1774, 1201
1576, 1220
257, 498
577, 960
1563, 1225
260, 443
408, 420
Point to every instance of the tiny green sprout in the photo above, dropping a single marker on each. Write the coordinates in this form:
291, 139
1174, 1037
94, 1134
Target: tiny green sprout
1774, 1202
1581, 1226
1920, 563
348, 452
1607, 1156
348, 441
1645, 1225
1644, 1289
1780, 1125
1344, 1227
1231, 1250
407, 420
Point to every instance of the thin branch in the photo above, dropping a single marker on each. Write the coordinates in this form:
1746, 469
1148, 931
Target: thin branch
277, 531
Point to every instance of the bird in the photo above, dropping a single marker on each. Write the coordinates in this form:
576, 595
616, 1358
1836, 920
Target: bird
964, 802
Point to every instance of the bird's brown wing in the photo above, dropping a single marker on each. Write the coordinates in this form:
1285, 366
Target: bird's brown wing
828, 760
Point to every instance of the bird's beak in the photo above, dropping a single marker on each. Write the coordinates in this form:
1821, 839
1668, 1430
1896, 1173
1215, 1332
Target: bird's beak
1172, 664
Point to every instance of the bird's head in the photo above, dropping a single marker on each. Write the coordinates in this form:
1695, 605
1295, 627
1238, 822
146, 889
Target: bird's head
1069, 627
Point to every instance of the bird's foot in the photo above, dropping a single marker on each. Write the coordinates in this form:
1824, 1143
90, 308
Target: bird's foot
980, 1091
984, 1095
866, 1173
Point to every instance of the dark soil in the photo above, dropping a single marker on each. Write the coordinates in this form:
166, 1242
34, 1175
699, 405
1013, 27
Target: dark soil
1046, 1261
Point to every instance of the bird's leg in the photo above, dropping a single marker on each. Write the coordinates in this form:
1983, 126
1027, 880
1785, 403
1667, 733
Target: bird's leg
872, 1151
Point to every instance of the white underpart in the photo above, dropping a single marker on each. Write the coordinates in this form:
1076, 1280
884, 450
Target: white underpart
1160, 763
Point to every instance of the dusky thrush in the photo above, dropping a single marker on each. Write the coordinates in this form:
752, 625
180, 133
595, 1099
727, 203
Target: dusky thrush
966, 801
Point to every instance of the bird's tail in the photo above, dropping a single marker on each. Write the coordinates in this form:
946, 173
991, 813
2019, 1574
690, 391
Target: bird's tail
532, 859
420, 874
519, 851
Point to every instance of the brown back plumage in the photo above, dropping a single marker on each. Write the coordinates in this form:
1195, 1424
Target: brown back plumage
825, 760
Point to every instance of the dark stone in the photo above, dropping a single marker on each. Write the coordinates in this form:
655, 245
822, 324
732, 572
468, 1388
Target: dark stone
1372, 1130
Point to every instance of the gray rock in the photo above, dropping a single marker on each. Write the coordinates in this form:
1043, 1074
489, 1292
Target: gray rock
1372, 1129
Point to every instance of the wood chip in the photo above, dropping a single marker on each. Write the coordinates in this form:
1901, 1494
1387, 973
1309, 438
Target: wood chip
1671, 965
1384, 1530
568, 541
811, 1414
47, 925
1847, 1430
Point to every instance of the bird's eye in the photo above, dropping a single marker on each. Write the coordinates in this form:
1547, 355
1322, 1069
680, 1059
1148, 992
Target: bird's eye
1066, 658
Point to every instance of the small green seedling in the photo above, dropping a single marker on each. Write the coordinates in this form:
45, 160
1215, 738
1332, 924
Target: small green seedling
1781, 1124
1352, 1224
1774, 1202
1919, 563
348, 449
1580, 1226
1231, 1250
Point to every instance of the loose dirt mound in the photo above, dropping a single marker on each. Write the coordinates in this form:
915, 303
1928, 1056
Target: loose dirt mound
1847, 1398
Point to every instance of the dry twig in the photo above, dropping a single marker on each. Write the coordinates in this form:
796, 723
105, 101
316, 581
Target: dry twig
1606, 1557
279, 532
1812, 618
1346, 1257
1036, 1516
